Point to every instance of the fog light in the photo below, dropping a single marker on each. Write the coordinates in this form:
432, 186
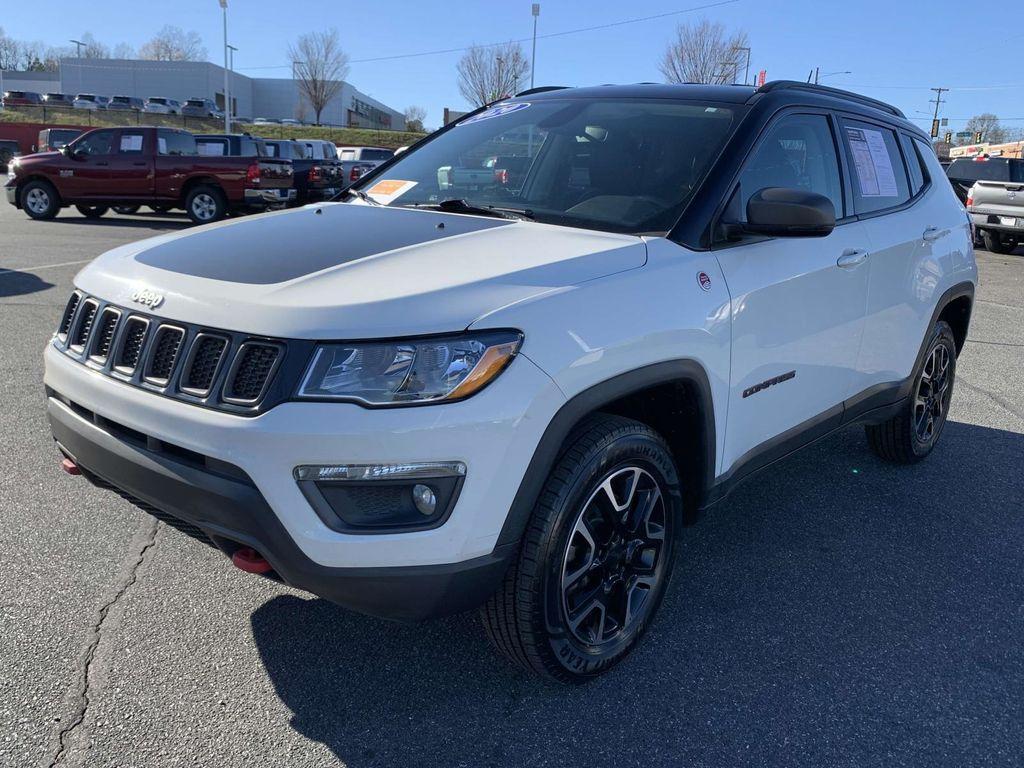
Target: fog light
424, 499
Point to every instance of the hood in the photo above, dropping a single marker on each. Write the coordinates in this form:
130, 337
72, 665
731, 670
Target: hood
352, 271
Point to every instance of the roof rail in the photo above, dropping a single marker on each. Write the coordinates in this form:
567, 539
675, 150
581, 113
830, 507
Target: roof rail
541, 89
779, 85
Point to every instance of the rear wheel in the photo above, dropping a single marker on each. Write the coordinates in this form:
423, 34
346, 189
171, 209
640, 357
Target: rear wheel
126, 210
912, 434
39, 200
596, 557
999, 243
92, 211
205, 204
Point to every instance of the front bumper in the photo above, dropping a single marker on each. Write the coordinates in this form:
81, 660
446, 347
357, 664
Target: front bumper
12, 195
494, 433
264, 197
232, 513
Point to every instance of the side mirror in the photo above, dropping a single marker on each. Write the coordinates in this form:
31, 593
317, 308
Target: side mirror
783, 212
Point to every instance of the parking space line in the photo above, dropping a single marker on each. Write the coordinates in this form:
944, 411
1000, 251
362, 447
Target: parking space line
30, 268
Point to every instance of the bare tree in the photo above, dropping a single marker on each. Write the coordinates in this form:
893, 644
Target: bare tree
491, 72
93, 48
703, 52
988, 124
174, 44
10, 51
414, 117
122, 51
320, 65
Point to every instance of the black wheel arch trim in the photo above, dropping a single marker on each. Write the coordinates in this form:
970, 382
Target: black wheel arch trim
591, 400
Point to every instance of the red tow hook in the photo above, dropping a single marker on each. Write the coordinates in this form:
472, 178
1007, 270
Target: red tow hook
70, 467
250, 561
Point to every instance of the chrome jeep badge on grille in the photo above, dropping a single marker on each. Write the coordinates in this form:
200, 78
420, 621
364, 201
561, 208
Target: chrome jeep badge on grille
147, 298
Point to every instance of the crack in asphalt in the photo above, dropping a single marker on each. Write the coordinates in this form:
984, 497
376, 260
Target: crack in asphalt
999, 400
129, 575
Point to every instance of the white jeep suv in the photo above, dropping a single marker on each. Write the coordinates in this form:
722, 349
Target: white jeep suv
508, 368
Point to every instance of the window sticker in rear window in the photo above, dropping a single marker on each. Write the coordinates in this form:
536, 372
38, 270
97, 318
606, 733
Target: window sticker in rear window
497, 111
389, 190
872, 162
131, 142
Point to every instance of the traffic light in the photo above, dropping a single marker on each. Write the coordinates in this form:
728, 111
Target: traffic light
935, 129
977, 137
948, 138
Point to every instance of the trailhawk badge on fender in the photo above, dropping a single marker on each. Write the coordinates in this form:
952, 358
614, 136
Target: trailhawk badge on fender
147, 298
704, 281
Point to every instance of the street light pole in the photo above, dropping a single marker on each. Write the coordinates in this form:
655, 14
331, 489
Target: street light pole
231, 62
78, 49
227, 86
533, 53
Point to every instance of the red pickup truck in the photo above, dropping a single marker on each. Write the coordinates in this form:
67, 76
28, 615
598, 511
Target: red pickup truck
160, 167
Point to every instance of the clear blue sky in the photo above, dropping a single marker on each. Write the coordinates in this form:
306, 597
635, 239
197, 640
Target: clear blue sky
895, 49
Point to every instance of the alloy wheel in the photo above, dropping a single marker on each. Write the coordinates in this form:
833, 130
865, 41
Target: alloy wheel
613, 560
204, 206
37, 200
931, 402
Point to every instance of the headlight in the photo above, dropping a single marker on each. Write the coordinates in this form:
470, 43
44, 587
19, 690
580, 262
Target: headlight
405, 372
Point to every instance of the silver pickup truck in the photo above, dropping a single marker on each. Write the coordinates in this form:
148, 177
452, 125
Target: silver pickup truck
996, 203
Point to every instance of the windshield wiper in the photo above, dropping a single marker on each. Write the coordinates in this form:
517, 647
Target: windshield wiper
362, 196
459, 205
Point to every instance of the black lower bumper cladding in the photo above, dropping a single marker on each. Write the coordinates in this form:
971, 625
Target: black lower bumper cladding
228, 509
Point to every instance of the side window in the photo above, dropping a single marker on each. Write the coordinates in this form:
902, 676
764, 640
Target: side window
130, 143
96, 143
915, 164
879, 177
175, 143
798, 153
212, 147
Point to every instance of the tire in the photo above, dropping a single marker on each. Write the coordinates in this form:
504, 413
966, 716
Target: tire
912, 434
566, 609
126, 210
160, 208
92, 211
39, 200
205, 204
996, 243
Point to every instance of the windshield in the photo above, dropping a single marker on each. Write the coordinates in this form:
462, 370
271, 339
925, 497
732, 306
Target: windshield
622, 165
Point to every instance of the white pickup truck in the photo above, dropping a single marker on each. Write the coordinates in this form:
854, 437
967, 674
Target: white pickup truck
996, 205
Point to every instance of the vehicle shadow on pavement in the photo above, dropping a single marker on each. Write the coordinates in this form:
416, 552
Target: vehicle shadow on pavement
157, 221
834, 610
15, 282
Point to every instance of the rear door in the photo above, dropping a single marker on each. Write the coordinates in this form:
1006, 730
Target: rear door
132, 164
175, 157
917, 236
797, 302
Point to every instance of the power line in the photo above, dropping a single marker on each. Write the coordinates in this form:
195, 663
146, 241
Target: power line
609, 25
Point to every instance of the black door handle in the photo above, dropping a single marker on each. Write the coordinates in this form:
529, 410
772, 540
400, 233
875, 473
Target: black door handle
138, 164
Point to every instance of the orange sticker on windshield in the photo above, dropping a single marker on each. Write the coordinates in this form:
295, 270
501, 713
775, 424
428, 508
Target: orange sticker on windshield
389, 189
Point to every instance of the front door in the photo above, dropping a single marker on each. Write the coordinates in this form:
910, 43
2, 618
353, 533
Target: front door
85, 172
797, 302
131, 164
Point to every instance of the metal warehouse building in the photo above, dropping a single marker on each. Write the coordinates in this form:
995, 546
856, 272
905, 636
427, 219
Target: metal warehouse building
250, 97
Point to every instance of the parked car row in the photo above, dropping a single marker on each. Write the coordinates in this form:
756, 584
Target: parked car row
208, 175
159, 105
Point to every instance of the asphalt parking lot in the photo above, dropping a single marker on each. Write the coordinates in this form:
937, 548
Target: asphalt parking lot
835, 610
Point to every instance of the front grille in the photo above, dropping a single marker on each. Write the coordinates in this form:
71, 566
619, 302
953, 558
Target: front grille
83, 325
104, 335
69, 315
220, 369
130, 353
202, 364
252, 370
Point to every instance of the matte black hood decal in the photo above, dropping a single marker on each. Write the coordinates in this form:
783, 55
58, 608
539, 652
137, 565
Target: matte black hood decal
277, 248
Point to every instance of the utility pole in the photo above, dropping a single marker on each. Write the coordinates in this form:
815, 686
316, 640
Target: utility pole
231, 67
533, 53
937, 101
227, 86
